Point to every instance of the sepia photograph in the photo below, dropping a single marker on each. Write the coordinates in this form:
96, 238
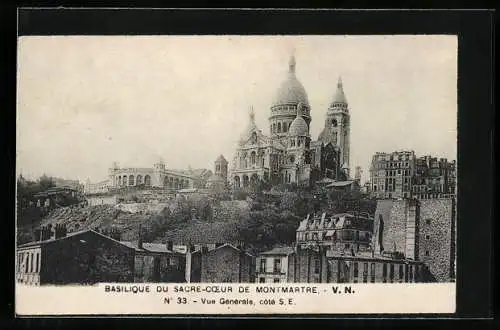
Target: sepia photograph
236, 174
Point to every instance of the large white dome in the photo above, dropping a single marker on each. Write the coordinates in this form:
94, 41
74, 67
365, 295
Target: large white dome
291, 90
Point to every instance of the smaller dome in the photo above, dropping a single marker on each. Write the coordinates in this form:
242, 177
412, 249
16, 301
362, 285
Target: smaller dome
298, 127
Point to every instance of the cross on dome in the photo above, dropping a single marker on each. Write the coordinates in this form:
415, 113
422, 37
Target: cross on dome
292, 63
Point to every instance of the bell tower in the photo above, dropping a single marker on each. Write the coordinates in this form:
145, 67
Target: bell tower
337, 126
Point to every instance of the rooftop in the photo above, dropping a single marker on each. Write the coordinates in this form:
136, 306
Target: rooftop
148, 247
73, 234
280, 250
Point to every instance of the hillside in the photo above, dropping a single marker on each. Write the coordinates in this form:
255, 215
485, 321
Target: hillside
159, 221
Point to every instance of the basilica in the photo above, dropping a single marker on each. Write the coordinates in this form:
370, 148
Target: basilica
288, 155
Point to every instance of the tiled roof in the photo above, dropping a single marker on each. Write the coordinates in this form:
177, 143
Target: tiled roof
340, 183
73, 234
280, 250
223, 246
148, 247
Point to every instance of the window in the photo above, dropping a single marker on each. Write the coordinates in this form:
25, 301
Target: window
365, 272
427, 253
277, 265
276, 280
428, 221
262, 265
411, 274
262, 280
31, 262
391, 272
316, 265
355, 272
252, 157
37, 267
427, 237
27, 262
401, 273
131, 180
372, 272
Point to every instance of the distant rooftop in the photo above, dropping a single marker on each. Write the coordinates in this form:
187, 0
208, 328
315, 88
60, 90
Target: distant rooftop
280, 250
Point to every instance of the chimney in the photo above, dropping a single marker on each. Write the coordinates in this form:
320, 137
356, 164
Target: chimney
139, 241
170, 245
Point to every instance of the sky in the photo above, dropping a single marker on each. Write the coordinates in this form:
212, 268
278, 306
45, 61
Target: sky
85, 102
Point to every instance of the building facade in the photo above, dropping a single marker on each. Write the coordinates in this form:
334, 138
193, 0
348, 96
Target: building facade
421, 230
391, 174
85, 257
224, 263
401, 174
339, 232
364, 268
276, 265
154, 262
434, 178
288, 154
156, 177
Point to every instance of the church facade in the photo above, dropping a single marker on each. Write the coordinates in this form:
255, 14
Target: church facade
288, 154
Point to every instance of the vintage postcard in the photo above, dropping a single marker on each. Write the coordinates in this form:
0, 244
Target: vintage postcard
232, 174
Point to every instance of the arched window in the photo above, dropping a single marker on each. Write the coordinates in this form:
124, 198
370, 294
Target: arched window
147, 180
120, 180
237, 181
279, 127
262, 162
131, 180
299, 142
124, 182
252, 158
138, 179
274, 127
